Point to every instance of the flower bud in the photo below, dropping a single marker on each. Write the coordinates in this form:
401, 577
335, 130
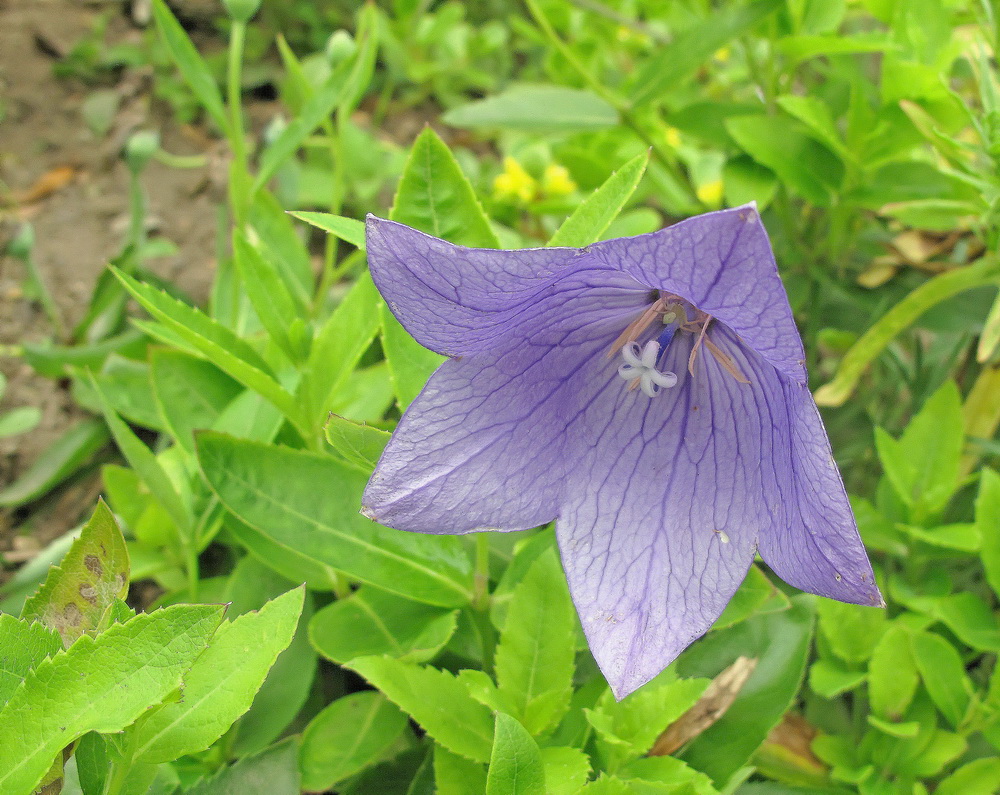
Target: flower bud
139, 148
241, 10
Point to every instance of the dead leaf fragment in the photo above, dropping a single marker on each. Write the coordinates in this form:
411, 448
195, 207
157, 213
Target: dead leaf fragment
50, 182
717, 698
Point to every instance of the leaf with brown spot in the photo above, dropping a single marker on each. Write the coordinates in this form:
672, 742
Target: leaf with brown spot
712, 705
77, 596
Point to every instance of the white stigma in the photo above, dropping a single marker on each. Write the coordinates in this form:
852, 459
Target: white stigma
640, 367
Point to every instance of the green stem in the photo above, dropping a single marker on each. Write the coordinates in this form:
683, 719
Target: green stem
239, 187
628, 118
44, 296
121, 767
192, 566
481, 600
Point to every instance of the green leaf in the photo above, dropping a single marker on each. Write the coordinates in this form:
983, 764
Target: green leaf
410, 363
56, 463
99, 684
679, 778
78, 595
338, 347
311, 503
892, 674
595, 213
816, 115
271, 299
274, 771
536, 108
534, 658
355, 442
143, 461
694, 46
283, 559
756, 594
963, 536
989, 339
829, 678
566, 769
903, 731
23, 646
628, 728
374, 622
804, 165
988, 520
350, 230
19, 420
980, 777
187, 59
290, 680
456, 775
281, 243
852, 631
801, 48
924, 465
221, 685
875, 340
435, 197
943, 673
349, 735
213, 341
516, 763
781, 642
190, 392
436, 700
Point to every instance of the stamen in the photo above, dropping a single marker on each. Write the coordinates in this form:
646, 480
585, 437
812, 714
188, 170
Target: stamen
726, 361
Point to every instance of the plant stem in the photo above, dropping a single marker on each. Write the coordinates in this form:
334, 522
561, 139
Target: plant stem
481, 600
239, 174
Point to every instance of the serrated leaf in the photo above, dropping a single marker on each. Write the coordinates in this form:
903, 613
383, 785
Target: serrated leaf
221, 685
566, 769
534, 658
349, 735
99, 684
217, 343
435, 197
266, 290
23, 646
78, 594
310, 503
375, 622
436, 700
516, 762
595, 213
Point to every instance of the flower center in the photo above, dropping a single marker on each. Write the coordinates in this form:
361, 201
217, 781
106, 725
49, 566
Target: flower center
641, 361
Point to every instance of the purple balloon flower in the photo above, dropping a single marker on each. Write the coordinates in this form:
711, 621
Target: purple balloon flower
647, 393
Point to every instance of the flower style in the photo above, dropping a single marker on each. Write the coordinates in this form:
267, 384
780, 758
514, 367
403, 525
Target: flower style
647, 393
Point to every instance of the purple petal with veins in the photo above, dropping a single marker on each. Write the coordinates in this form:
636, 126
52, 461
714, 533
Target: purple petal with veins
646, 393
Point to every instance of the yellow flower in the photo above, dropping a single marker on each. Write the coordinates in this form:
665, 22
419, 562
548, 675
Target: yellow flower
710, 194
556, 181
721, 54
673, 136
514, 183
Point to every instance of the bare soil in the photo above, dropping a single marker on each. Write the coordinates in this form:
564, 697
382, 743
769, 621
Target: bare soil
72, 185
